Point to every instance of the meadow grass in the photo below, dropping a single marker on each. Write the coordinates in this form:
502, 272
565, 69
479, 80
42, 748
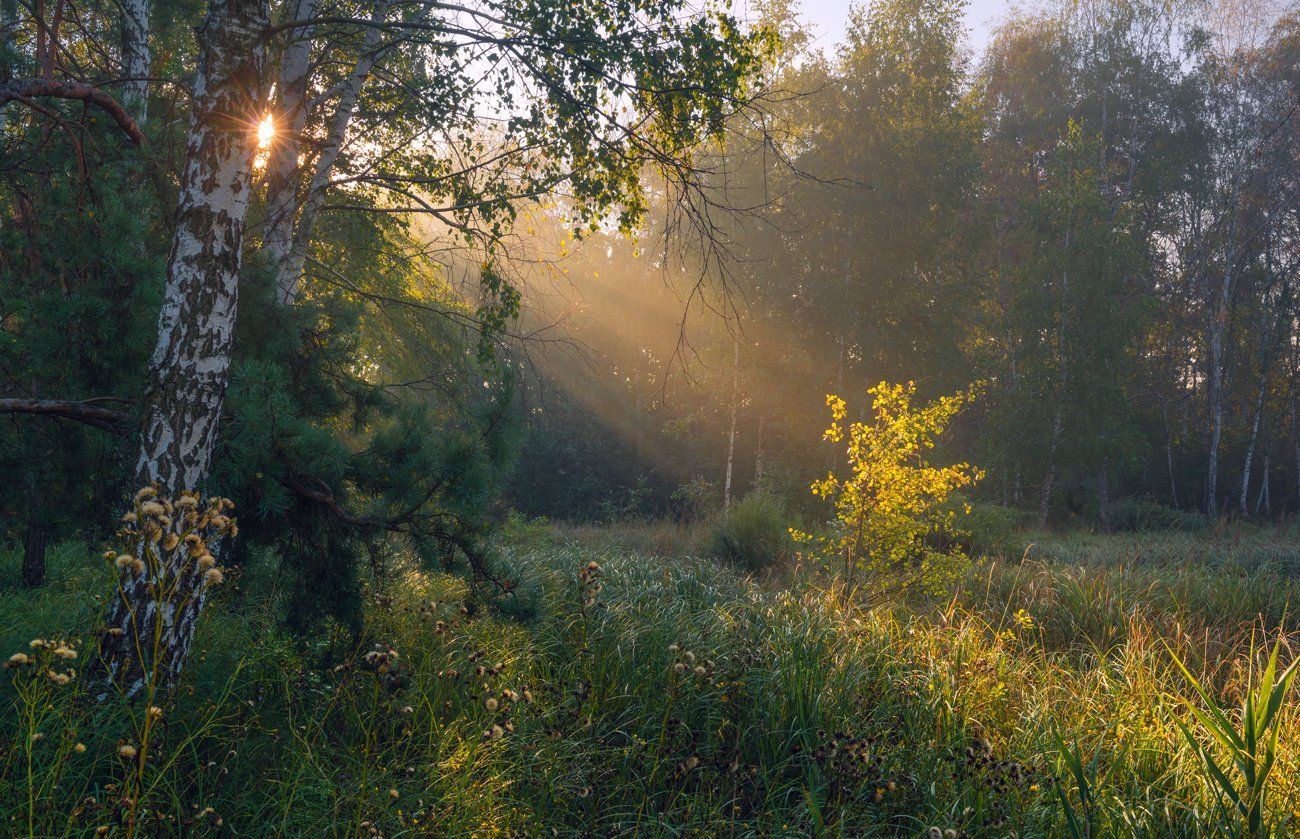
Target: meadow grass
661, 694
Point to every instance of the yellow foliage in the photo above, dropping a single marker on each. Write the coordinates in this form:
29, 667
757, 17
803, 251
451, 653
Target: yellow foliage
890, 513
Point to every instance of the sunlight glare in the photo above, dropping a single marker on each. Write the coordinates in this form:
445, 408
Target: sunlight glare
265, 132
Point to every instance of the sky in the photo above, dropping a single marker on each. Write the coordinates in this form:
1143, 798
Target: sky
829, 17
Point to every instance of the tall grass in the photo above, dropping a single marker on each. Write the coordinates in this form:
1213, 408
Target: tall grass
682, 699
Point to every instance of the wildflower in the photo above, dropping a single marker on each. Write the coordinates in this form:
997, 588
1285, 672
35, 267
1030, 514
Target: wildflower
207, 561
137, 565
679, 668
673, 648
496, 732
65, 652
58, 678
213, 576
153, 508
934, 833
80, 748
18, 660
186, 502
155, 712
171, 541
127, 751
110, 555
392, 793
115, 631
491, 703
700, 671
690, 656
128, 518
146, 492
407, 709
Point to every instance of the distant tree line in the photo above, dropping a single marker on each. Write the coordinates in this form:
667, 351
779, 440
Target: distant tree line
1099, 218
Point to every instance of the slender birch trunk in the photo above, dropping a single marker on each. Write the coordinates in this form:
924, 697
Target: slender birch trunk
289, 269
187, 376
135, 57
1218, 328
731, 435
283, 171
1263, 501
1295, 437
1257, 414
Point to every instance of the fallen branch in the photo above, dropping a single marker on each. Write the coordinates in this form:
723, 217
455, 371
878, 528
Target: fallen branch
26, 89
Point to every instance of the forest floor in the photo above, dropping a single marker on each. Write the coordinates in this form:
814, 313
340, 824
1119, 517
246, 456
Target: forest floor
666, 695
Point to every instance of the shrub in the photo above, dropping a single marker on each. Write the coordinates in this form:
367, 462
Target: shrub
990, 530
1142, 515
892, 503
754, 533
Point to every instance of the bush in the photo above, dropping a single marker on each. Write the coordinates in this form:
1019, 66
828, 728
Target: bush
1129, 515
990, 530
754, 534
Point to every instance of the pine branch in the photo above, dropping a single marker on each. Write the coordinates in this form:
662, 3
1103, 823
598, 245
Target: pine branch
87, 411
25, 89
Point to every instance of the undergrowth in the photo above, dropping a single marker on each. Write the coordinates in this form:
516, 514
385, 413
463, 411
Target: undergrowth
671, 696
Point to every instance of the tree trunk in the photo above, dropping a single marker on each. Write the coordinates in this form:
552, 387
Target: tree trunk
1169, 456
731, 435
1103, 499
1263, 501
283, 170
1295, 438
1049, 479
187, 377
37, 537
1254, 438
1214, 395
8, 17
289, 269
135, 57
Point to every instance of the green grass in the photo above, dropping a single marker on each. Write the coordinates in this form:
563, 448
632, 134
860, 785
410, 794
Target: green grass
1039, 697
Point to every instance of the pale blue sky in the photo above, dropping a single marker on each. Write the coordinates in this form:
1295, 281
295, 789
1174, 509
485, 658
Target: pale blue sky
829, 16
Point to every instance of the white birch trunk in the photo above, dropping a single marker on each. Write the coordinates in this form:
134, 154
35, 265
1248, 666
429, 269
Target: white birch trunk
731, 435
289, 270
283, 172
135, 57
188, 372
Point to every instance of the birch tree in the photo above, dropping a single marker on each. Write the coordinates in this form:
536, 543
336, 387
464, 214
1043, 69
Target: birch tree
188, 374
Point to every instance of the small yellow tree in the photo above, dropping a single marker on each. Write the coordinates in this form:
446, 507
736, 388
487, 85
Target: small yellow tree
891, 515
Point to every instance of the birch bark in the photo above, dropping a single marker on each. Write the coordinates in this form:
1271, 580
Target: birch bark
188, 373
